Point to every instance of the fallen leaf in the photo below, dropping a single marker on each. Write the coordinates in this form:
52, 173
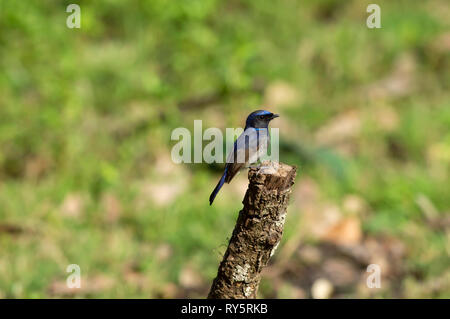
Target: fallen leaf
112, 209
322, 289
169, 291
318, 219
341, 128
163, 252
279, 94
189, 278
354, 204
72, 205
345, 232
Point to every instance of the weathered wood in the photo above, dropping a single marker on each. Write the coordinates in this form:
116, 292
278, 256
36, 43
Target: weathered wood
257, 233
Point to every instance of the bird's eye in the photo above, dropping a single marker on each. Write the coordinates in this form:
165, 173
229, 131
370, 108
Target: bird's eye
261, 117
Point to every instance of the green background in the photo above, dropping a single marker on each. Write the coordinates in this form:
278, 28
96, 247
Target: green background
86, 115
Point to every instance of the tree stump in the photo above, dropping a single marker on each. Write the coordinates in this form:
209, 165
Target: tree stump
257, 233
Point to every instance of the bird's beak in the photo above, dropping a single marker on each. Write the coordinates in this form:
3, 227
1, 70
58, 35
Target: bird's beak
274, 116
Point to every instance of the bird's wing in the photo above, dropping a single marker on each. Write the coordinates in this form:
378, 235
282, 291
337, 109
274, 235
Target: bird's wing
244, 150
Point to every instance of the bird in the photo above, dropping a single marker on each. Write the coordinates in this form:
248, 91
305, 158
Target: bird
248, 148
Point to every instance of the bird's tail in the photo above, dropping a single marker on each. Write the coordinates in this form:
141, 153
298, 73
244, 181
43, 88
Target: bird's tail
218, 187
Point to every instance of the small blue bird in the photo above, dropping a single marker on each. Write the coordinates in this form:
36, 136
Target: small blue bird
248, 148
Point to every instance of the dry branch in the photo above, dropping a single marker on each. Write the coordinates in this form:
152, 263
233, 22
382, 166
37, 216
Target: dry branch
257, 233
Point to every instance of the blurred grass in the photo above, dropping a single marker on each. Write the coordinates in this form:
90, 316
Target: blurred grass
86, 116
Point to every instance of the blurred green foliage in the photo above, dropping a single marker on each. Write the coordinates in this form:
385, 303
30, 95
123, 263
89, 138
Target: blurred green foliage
86, 116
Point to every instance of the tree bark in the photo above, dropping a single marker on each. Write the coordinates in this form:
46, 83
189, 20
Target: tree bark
257, 233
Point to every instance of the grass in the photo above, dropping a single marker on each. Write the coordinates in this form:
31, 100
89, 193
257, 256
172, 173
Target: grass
86, 116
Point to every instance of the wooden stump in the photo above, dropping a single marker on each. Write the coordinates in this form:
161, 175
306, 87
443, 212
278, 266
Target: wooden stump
257, 233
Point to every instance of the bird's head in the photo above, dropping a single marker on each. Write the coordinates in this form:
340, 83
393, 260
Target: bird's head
260, 119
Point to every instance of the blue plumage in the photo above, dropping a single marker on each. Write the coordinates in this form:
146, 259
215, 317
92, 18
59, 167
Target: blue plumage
218, 187
248, 148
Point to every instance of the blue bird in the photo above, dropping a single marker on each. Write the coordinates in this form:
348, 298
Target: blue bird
248, 148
